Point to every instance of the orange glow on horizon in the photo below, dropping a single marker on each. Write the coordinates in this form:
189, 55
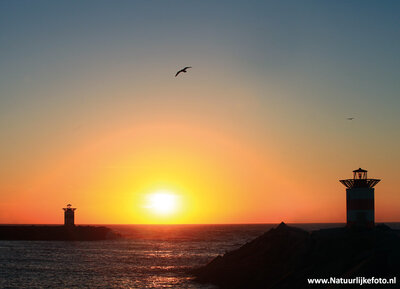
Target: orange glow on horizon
218, 181
218, 177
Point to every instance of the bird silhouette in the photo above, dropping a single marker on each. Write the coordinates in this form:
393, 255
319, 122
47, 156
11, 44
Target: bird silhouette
182, 70
350, 118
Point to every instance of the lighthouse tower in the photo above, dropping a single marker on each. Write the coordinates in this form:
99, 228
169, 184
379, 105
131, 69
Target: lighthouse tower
69, 216
360, 201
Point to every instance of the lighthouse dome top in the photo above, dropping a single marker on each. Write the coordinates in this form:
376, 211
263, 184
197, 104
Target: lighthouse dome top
360, 174
69, 208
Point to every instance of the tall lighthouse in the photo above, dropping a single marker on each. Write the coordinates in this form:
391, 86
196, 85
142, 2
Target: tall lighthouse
360, 201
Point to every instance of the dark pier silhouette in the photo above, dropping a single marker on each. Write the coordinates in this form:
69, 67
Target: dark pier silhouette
56, 233
67, 232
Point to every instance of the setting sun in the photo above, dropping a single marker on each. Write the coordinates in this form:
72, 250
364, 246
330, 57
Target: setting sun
161, 202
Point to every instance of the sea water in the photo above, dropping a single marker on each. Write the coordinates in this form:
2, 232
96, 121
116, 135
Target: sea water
150, 256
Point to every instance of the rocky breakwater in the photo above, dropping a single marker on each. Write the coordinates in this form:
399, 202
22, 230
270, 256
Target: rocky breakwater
285, 257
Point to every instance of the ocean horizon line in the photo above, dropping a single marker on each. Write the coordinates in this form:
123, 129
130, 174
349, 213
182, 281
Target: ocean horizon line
186, 224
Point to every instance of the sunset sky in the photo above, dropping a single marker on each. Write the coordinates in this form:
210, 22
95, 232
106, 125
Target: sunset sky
256, 132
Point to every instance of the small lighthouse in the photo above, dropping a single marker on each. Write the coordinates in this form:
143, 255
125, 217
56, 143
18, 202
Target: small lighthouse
69, 216
360, 201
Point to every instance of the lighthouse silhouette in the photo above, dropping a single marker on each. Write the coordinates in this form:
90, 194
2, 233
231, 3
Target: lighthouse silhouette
69, 216
360, 201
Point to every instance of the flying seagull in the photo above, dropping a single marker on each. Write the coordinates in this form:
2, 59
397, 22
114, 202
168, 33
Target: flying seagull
350, 118
182, 70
